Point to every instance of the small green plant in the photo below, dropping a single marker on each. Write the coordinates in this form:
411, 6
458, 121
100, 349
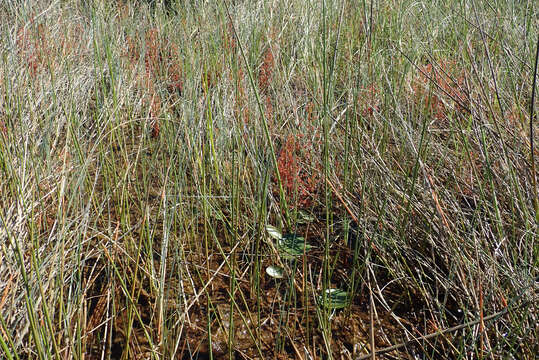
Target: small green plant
334, 299
290, 246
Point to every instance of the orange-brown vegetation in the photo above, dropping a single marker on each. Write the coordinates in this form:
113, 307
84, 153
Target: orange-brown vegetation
301, 185
161, 63
440, 87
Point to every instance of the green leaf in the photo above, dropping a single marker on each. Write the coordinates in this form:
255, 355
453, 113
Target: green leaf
276, 272
273, 232
335, 299
291, 246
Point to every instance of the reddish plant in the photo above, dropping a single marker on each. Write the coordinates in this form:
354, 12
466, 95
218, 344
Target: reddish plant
266, 70
161, 63
229, 38
33, 47
447, 92
515, 121
368, 101
155, 108
152, 59
299, 184
174, 70
269, 110
241, 110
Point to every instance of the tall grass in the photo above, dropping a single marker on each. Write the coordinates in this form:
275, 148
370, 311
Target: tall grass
145, 147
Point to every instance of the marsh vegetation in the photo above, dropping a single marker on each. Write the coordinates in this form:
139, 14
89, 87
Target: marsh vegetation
268, 179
